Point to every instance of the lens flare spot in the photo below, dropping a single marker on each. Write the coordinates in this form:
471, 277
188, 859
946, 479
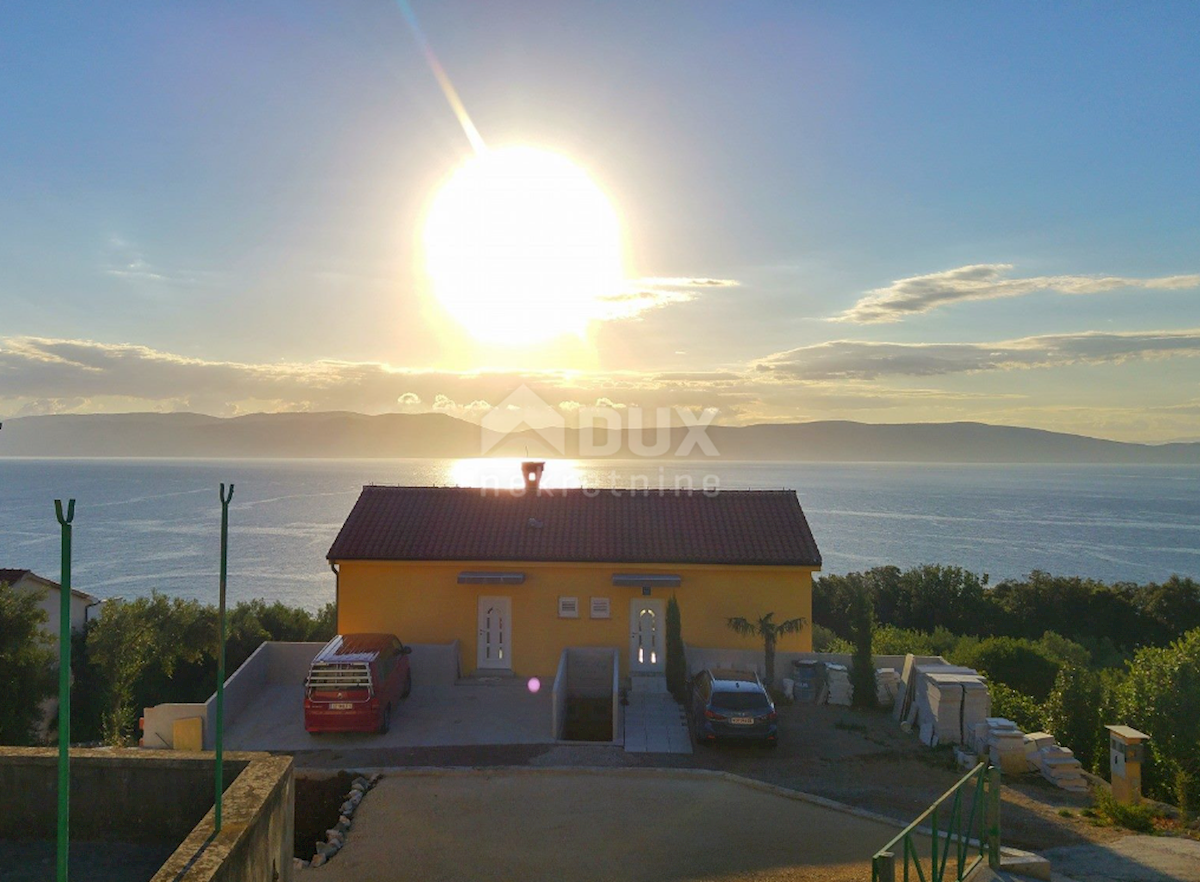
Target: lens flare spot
534, 685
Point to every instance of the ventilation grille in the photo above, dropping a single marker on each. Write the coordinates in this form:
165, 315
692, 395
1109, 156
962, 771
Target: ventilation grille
600, 608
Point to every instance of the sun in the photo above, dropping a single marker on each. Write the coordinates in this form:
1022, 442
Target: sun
522, 246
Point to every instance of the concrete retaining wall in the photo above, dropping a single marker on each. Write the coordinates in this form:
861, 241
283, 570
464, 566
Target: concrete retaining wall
132, 795
699, 658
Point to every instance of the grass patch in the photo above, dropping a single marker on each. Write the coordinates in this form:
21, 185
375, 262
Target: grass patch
1065, 813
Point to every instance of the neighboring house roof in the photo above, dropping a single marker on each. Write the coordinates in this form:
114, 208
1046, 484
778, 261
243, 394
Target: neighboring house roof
744, 527
12, 577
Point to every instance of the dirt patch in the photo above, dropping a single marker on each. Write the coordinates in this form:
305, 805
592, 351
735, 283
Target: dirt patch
318, 800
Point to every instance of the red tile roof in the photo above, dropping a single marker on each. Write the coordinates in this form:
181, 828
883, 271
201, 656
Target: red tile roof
744, 527
11, 577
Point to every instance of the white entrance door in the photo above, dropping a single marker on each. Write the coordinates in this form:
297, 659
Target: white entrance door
647, 635
495, 633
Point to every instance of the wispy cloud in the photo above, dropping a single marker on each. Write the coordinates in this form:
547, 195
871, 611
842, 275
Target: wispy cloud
986, 281
125, 260
643, 295
854, 359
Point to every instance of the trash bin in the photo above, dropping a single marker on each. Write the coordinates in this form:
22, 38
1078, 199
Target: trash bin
808, 676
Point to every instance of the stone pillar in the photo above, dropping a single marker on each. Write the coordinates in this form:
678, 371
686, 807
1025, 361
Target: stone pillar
1126, 749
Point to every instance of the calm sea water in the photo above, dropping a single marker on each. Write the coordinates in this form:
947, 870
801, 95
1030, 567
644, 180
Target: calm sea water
155, 524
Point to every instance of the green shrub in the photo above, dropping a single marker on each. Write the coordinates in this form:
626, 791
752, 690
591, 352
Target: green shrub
862, 668
676, 662
1072, 714
1139, 818
27, 664
1161, 696
1020, 664
1015, 706
825, 640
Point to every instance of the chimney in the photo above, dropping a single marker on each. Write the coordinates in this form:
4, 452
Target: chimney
532, 473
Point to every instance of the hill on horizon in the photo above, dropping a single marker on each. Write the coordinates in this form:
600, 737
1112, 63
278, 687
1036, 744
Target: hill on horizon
341, 434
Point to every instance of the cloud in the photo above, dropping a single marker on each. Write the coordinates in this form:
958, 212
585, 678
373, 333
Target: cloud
643, 295
986, 281
853, 359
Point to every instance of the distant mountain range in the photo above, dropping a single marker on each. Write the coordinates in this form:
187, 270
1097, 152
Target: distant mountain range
339, 434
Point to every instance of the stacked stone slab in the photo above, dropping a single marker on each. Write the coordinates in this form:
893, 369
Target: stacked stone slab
887, 682
837, 679
1006, 746
1059, 766
950, 701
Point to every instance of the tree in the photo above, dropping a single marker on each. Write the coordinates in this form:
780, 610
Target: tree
151, 650
1020, 664
1161, 696
27, 664
1072, 713
770, 632
862, 669
676, 661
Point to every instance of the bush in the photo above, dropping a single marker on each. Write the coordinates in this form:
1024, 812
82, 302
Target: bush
1161, 696
824, 640
1015, 706
28, 664
1139, 818
676, 662
1072, 714
1020, 664
862, 668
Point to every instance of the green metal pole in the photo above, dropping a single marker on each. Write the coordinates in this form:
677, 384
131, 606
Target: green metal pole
64, 690
220, 733
993, 774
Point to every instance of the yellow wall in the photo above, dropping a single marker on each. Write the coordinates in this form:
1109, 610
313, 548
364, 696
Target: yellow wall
423, 603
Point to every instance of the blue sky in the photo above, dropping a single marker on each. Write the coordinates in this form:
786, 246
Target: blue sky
217, 206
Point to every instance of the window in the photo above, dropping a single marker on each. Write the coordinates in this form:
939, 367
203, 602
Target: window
568, 607
600, 608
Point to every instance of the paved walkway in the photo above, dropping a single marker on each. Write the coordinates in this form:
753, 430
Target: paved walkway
626, 825
655, 723
1131, 859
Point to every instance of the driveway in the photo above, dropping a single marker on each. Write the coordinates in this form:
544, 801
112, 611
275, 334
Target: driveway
627, 825
1131, 859
439, 714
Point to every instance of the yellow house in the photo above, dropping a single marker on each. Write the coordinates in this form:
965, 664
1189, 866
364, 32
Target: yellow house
518, 576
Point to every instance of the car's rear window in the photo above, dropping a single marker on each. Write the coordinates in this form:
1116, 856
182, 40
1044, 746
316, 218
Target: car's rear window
740, 700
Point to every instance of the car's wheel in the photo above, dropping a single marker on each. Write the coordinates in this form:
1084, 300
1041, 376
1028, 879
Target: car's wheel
407, 685
385, 720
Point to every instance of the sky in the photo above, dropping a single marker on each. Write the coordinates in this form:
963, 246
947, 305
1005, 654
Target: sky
877, 212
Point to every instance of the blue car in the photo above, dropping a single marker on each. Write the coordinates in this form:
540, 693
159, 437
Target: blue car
732, 706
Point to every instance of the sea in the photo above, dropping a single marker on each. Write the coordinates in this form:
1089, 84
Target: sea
144, 525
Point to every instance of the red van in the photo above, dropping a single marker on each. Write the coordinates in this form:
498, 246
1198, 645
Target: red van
354, 682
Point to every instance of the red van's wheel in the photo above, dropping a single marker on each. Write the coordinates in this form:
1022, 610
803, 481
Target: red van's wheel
407, 685
385, 720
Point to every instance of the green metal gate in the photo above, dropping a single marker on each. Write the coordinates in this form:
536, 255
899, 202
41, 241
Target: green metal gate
950, 838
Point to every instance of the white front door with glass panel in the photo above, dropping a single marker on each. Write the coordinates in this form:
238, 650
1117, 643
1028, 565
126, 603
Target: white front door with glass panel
647, 635
495, 632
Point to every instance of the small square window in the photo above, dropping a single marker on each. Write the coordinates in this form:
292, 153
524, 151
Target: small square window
600, 608
568, 607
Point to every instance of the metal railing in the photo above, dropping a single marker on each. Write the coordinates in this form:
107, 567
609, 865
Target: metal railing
962, 829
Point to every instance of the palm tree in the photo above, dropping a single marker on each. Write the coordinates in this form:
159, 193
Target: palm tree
769, 631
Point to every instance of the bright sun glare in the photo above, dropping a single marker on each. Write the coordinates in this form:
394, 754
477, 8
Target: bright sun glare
522, 246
